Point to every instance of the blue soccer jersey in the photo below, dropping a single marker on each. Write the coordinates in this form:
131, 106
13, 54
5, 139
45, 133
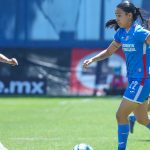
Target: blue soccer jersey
137, 53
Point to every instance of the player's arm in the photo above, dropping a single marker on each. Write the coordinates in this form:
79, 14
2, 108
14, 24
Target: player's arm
102, 55
148, 40
11, 61
148, 28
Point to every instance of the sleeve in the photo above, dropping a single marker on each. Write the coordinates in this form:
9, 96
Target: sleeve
117, 36
141, 35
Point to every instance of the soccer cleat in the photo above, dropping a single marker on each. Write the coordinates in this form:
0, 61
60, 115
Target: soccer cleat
131, 123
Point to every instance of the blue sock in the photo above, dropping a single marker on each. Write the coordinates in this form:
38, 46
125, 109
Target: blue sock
123, 132
132, 118
148, 126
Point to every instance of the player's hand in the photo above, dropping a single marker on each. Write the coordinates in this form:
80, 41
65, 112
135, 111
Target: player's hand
13, 61
86, 63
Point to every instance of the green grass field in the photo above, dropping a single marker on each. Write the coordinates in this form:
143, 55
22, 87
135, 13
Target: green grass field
61, 123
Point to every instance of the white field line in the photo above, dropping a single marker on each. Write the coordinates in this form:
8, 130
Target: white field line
54, 139
34, 139
65, 102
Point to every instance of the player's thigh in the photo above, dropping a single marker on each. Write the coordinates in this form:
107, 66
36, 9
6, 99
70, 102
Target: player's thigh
141, 112
149, 104
126, 107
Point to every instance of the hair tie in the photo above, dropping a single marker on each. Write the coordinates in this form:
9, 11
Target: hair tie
137, 11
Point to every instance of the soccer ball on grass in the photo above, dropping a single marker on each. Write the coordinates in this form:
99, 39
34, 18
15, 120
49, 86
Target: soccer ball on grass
82, 146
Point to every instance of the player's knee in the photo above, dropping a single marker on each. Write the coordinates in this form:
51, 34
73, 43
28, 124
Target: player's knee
142, 121
119, 116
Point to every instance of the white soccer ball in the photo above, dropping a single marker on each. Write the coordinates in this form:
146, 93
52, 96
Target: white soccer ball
82, 146
2, 147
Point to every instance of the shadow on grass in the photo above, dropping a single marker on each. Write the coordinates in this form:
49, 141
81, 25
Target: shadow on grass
143, 140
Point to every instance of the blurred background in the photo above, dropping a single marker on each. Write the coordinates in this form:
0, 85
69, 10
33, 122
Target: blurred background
51, 39
45, 101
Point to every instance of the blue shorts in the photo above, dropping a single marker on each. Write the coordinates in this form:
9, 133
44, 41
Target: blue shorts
138, 90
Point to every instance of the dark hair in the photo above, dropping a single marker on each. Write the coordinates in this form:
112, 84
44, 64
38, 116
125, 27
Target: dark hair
112, 24
146, 25
128, 8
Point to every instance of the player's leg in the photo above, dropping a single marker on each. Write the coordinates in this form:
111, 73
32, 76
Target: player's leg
132, 118
125, 108
136, 93
142, 114
149, 104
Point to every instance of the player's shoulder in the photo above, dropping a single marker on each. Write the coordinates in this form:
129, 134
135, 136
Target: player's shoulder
120, 31
140, 33
138, 29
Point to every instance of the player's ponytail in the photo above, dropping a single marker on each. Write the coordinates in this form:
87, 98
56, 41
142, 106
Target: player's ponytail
112, 24
128, 7
138, 14
147, 24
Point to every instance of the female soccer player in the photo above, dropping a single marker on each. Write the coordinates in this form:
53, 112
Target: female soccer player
143, 116
133, 39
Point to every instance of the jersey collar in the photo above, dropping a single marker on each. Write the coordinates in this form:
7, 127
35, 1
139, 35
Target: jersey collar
132, 27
